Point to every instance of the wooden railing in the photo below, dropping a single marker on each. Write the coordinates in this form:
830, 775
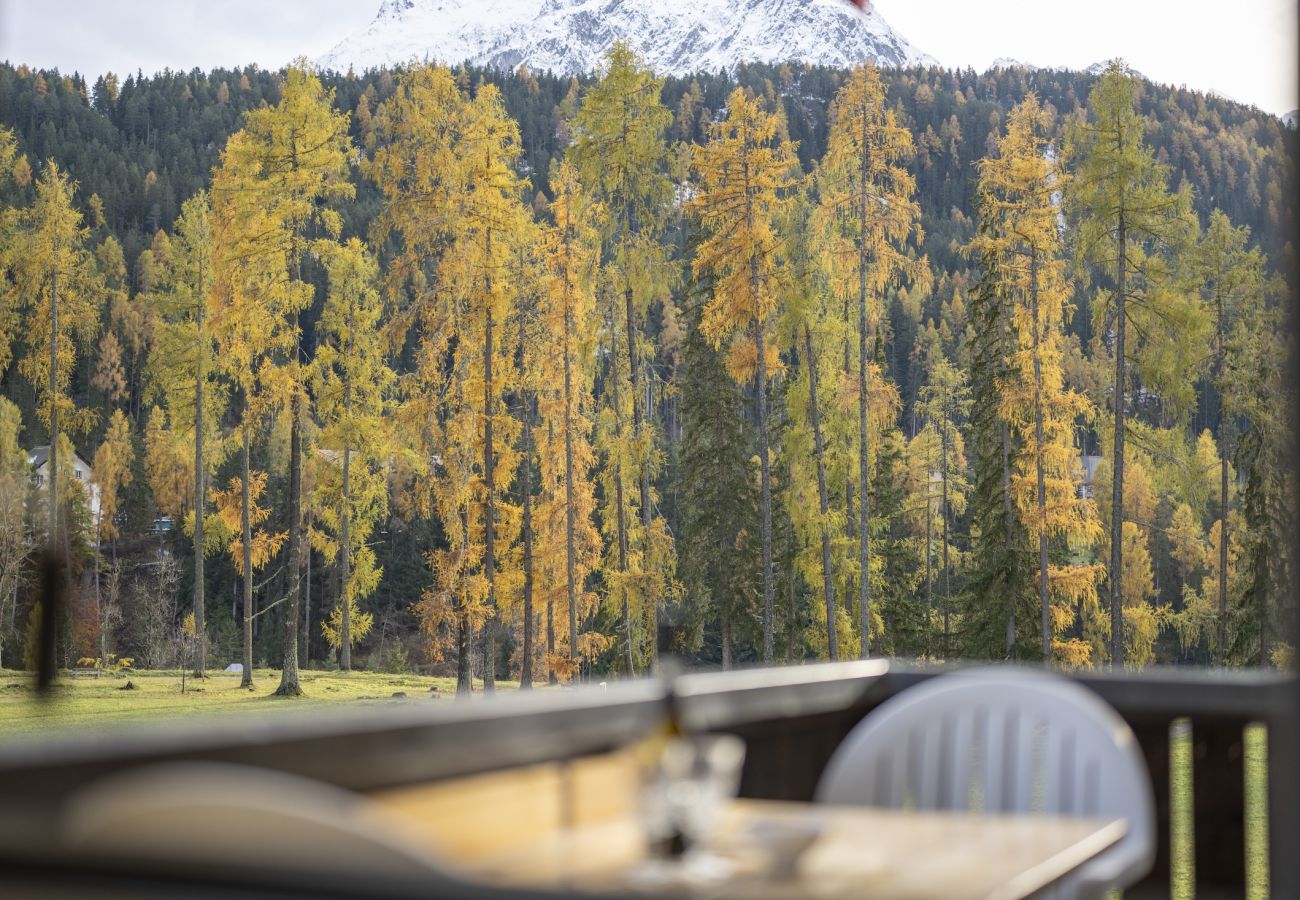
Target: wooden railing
791, 718
791, 727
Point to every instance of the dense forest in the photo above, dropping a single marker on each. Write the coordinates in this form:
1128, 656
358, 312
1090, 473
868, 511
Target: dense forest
529, 377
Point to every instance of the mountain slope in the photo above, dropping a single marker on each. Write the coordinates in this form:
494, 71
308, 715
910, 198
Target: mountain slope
673, 36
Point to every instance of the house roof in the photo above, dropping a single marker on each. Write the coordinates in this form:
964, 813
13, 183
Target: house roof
39, 456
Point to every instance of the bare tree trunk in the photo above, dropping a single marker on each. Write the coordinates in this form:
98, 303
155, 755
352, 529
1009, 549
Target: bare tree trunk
489, 506
289, 684
1117, 485
464, 674
850, 482
864, 511
726, 639
947, 570
200, 500
99, 606
929, 553
823, 503
246, 529
345, 590
570, 551
1043, 599
1009, 518
305, 658
790, 617
621, 517
345, 535
765, 480
643, 479
526, 485
637, 422
1221, 654
54, 406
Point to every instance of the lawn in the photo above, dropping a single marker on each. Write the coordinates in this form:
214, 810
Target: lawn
100, 703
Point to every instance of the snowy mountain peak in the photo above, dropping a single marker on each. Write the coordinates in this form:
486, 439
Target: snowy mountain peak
1008, 62
672, 36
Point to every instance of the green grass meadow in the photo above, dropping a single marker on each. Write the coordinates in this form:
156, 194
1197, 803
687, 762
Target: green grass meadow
88, 703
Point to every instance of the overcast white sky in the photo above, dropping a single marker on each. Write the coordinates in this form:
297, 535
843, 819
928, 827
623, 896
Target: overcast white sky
1245, 49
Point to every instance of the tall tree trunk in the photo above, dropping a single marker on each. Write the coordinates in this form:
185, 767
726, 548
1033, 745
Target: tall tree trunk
642, 477
1043, 600
464, 636
850, 481
246, 533
99, 605
947, 570
54, 406
864, 506
765, 479
1221, 650
823, 503
726, 638
200, 500
345, 534
550, 639
633, 373
526, 485
489, 504
637, 420
790, 617
1117, 485
305, 658
289, 684
621, 519
570, 550
1009, 518
929, 552
345, 658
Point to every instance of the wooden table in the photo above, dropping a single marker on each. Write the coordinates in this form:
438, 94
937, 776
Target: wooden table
860, 852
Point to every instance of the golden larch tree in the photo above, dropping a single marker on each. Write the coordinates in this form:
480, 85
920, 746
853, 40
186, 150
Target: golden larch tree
351, 379
1020, 243
55, 286
184, 371
745, 174
294, 159
566, 369
620, 152
867, 202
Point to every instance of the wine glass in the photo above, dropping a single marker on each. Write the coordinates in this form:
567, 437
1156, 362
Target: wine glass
685, 792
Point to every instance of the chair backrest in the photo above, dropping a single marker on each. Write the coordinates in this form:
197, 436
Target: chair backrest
219, 813
1004, 740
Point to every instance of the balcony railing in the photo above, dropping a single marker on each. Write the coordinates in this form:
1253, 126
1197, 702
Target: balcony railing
792, 719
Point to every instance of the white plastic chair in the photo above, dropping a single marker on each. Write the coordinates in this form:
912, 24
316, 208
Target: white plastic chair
1005, 740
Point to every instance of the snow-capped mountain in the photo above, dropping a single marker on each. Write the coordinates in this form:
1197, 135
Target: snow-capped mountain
1008, 62
673, 36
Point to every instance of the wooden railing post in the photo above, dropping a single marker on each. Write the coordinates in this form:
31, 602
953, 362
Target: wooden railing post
1219, 792
1283, 804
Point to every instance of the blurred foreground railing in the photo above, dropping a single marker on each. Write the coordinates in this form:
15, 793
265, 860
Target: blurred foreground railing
791, 718
1207, 713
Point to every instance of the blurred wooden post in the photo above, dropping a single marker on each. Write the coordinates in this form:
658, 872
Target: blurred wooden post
50, 572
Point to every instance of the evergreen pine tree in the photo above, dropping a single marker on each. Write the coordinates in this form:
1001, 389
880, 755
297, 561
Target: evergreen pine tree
998, 619
718, 540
